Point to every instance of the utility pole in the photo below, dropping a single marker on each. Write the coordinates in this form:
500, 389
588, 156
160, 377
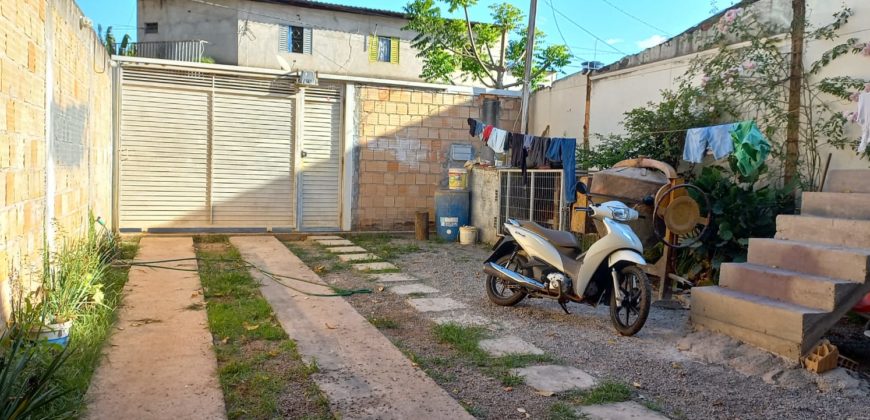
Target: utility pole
530, 53
792, 139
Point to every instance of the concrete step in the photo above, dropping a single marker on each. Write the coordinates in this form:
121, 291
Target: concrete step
826, 230
808, 290
779, 327
812, 258
848, 181
839, 205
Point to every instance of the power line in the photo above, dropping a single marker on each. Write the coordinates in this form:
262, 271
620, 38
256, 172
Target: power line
621, 10
556, 21
585, 30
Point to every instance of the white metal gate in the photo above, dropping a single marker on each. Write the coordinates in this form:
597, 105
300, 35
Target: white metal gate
320, 177
201, 150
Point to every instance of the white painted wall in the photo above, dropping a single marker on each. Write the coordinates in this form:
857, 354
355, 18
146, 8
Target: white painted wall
182, 20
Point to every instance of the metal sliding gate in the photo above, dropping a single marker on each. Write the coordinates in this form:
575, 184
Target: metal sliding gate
537, 198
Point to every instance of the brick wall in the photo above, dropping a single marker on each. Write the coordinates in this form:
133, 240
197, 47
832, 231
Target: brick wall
404, 143
36, 35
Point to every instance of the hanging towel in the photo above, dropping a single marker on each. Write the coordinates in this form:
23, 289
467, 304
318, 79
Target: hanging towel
518, 152
563, 150
750, 147
538, 152
527, 142
487, 131
717, 138
864, 120
497, 139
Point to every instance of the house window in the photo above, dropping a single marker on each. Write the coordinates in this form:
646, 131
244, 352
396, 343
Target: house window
150, 27
297, 39
384, 49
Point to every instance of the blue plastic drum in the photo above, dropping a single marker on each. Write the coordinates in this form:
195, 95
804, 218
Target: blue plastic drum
451, 212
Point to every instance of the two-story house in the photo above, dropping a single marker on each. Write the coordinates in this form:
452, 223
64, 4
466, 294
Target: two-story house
287, 35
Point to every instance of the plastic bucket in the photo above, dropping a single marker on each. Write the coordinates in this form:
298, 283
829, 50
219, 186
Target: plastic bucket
467, 235
457, 178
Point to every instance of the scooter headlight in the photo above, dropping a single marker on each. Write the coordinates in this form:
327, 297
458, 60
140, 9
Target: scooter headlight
621, 214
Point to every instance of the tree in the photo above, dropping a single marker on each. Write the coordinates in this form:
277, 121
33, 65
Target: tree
481, 51
112, 47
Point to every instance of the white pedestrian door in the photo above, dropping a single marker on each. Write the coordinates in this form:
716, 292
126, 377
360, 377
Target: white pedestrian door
320, 178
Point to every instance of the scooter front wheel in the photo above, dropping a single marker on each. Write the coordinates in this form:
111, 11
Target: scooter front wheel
500, 292
629, 316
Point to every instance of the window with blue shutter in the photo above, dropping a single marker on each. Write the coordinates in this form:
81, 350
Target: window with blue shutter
296, 39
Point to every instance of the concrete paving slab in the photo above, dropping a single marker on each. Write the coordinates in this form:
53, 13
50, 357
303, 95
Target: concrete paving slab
628, 410
464, 319
436, 304
555, 378
507, 346
335, 242
164, 368
393, 277
407, 289
374, 266
324, 238
357, 257
346, 249
361, 372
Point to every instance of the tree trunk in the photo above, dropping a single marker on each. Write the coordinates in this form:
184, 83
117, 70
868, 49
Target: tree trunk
792, 141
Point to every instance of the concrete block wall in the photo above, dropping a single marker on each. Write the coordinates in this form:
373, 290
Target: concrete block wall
43, 43
404, 145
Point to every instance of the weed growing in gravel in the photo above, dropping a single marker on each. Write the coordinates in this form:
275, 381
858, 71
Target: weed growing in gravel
604, 393
384, 323
384, 246
653, 405
473, 410
320, 261
462, 338
562, 411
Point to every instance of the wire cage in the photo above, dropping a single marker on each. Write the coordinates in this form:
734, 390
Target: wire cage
538, 197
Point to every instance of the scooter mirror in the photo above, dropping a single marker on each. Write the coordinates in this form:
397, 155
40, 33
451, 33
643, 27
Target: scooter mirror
580, 188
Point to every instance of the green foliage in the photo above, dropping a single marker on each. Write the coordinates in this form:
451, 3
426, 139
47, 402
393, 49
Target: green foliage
561, 411
480, 51
605, 393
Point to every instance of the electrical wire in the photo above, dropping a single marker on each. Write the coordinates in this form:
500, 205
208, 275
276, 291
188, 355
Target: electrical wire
559, 29
585, 30
609, 3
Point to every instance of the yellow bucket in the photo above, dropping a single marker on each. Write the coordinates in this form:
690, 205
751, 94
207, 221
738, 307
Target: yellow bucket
457, 178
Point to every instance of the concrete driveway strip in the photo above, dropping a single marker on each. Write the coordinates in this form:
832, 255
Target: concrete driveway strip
363, 375
159, 362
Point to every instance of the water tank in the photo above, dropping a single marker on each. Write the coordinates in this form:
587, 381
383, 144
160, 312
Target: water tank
451, 213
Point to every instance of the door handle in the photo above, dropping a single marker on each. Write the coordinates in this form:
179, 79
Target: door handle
304, 154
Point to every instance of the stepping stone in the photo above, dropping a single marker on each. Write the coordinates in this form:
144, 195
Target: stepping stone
436, 304
627, 410
555, 378
393, 277
407, 289
335, 242
375, 266
324, 238
357, 257
508, 346
346, 249
466, 320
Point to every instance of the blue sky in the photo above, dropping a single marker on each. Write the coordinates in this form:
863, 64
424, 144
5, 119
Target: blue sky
610, 28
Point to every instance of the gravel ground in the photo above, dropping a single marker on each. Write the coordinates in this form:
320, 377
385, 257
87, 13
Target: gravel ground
680, 384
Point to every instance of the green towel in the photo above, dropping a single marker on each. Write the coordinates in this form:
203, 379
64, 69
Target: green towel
750, 147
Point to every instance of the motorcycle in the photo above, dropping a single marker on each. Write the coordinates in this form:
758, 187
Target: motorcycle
536, 262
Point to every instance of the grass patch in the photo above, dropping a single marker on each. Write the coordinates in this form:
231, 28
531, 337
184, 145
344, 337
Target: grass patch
384, 323
562, 411
475, 411
384, 245
320, 261
259, 367
604, 393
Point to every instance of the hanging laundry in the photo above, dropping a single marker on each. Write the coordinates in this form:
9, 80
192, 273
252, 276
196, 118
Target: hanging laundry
538, 153
475, 127
750, 147
487, 131
497, 139
518, 152
527, 141
717, 138
864, 120
563, 150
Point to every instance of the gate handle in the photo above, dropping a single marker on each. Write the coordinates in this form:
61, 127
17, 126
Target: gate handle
304, 154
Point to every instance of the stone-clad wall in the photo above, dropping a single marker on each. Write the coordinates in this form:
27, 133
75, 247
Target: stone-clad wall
38, 36
404, 145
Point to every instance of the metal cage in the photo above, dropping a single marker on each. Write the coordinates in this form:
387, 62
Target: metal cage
538, 197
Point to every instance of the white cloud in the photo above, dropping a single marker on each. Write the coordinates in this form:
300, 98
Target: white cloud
614, 41
651, 41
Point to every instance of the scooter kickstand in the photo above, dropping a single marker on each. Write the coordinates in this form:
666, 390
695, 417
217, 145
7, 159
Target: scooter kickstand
564, 307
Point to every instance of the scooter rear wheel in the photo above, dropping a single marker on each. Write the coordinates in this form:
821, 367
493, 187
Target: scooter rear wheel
501, 293
629, 317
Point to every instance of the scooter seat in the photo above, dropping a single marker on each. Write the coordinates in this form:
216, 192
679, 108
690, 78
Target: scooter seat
558, 238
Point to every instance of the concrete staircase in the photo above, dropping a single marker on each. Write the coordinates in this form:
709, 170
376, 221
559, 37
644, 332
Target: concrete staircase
794, 287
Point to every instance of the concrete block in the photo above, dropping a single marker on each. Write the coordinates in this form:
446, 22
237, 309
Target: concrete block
555, 378
787, 286
346, 249
839, 205
357, 257
627, 410
435, 304
393, 277
507, 346
840, 232
374, 266
811, 258
848, 181
335, 242
407, 289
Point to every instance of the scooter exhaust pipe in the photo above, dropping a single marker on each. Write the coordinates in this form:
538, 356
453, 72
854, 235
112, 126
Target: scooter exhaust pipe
493, 269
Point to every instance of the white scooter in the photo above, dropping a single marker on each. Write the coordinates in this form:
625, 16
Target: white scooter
542, 263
